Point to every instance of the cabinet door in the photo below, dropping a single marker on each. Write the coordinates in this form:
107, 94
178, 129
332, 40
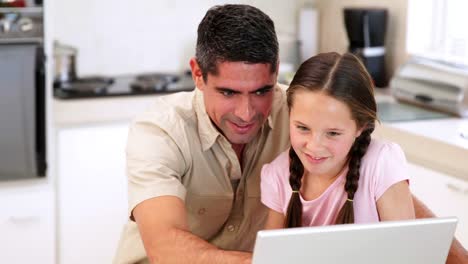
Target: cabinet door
27, 225
445, 195
92, 192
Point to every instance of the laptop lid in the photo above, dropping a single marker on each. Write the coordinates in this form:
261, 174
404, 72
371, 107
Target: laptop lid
425, 241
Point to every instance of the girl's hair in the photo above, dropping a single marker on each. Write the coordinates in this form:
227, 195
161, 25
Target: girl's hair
344, 78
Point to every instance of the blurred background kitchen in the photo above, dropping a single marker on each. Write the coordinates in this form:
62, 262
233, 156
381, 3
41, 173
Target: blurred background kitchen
74, 73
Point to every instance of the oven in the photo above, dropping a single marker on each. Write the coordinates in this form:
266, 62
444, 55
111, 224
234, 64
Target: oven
22, 91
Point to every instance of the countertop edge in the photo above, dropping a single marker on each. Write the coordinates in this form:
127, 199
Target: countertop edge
84, 111
419, 149
428, 152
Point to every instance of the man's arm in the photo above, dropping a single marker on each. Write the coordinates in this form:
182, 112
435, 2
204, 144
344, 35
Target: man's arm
162, 222
457, 254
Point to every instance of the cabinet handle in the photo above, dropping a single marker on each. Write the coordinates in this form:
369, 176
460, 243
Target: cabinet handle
457, 189
453, 187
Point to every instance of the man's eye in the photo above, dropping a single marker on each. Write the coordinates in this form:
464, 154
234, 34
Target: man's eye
262, 92
227, 93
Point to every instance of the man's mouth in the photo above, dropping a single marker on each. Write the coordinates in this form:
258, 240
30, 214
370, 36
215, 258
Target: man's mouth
242, 128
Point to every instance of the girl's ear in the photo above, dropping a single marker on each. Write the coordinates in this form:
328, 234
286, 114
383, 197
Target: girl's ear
359, 131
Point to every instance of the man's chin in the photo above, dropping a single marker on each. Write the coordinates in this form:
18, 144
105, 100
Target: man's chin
237, 136
240, 139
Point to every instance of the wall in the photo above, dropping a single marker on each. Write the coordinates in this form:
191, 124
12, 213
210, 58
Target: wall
333, 34
121, 36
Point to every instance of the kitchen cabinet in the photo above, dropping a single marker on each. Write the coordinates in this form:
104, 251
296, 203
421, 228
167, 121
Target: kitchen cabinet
27, 222
443, 194
92, 191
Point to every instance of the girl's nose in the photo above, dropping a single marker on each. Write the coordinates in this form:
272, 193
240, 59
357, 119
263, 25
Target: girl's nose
314, 142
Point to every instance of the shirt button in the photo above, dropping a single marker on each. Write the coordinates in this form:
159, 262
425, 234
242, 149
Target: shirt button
201, 211
231, 228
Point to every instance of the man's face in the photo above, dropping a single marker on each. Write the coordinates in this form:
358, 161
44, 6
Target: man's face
238, 99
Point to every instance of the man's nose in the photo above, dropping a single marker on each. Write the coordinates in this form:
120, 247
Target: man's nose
245, 110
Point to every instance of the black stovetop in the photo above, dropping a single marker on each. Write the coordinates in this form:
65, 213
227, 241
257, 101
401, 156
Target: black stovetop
124, 85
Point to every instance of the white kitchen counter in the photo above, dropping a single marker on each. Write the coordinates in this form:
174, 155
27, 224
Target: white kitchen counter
432, 144
98, 110
445, 130
435, 144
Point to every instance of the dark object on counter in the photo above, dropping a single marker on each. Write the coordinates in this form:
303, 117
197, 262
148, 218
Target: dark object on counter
88, 85
155, 81
126, 85
64, 63
366, 34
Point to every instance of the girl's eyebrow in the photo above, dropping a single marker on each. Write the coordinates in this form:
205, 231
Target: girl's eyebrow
299, 123
336, 129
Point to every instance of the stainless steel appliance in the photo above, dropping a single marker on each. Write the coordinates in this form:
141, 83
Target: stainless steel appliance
432, 85
22, 91
125, 85
366, 29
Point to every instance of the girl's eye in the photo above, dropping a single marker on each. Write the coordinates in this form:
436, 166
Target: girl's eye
333, 133
302, 128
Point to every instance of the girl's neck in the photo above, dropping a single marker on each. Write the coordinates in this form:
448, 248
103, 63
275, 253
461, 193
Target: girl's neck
314, 185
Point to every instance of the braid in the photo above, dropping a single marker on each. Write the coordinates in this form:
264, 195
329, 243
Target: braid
346, 214
296, 170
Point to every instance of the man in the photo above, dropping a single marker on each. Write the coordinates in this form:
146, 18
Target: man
194, 159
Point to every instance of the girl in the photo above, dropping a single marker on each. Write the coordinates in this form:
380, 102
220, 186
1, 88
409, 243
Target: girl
334, 173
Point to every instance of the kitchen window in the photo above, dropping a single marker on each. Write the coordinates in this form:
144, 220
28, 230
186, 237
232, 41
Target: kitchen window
437, 30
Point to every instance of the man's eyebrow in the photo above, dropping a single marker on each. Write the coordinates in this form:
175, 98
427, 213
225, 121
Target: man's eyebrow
264, 88
224, 89
230, 90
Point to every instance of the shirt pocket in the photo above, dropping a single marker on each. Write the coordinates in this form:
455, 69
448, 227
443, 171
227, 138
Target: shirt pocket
207, 213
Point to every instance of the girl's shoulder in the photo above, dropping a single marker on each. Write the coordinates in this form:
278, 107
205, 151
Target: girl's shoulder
279, 166
381, 148
383, 153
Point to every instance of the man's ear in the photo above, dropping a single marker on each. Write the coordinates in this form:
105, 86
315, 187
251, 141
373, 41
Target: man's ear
197, 74
277, 67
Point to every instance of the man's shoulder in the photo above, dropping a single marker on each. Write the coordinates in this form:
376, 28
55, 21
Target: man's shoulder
168, 111
282, 87
279, 113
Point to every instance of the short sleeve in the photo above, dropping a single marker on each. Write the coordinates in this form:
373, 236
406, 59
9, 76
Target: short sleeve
390, 168
155, 164
270, 188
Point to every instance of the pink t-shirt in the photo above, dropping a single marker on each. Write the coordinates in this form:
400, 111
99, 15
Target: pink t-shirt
383, 165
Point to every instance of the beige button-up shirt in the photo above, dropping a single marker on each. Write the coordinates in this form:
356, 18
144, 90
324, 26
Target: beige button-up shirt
174, 149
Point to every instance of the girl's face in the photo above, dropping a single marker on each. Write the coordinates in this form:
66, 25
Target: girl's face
322, 132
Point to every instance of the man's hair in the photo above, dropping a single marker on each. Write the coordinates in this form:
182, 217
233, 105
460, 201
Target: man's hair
235, 33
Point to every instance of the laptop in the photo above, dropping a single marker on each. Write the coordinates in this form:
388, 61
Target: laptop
425, 241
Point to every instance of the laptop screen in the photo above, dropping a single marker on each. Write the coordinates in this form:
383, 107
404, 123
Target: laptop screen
425, 241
